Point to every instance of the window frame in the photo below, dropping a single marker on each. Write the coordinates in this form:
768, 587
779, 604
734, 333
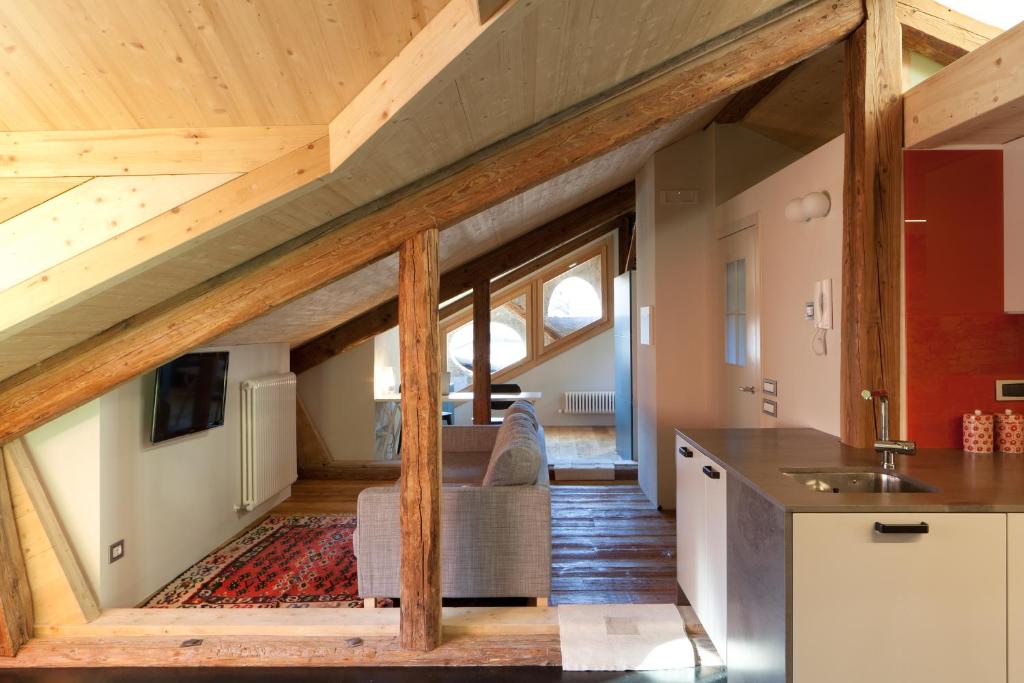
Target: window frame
533, 287
498, 299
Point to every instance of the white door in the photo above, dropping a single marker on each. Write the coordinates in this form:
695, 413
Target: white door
741, 352
921, 600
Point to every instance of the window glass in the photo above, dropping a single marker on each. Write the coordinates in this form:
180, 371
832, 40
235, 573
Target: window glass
736, 312
508, 342
573, 300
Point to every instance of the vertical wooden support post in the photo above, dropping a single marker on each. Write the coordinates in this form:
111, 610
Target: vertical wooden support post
15, 598
419, 339
482, 352
872, 225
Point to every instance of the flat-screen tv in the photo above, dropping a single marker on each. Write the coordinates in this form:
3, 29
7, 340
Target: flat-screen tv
189, 395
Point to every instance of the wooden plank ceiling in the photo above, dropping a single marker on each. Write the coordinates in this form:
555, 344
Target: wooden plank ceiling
542, 58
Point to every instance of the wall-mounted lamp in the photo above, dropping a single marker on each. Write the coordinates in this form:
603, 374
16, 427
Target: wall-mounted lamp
803, 209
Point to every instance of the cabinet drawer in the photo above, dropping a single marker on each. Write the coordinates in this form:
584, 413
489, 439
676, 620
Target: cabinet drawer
902, 606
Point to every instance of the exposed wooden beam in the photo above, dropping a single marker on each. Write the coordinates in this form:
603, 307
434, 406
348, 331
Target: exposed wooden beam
158, 239
715, 70
148, 151
16, 618
939, 33
745, 100
420, 485
462, 278
482, 352
631, 255
421, 70
872, 225
625, 235
977, 100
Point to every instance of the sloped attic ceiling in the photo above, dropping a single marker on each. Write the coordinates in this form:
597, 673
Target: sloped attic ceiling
546, 57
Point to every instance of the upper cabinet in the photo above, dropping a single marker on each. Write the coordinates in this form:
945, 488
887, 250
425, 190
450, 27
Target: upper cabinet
1013, 226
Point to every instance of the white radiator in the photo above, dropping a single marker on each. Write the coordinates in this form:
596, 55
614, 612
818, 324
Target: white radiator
269, 461
589, 403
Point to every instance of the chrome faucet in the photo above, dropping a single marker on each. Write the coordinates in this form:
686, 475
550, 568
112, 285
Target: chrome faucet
885, 446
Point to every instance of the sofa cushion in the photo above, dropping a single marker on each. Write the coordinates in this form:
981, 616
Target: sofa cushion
522, 407
516, 457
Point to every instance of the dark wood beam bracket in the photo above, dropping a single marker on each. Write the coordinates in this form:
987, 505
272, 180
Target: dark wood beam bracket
482, 353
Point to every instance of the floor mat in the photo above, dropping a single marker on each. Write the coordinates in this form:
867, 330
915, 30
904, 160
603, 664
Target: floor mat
285, 561
623, 638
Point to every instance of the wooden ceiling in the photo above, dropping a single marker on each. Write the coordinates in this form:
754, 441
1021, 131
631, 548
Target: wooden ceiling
107, 64
541, 58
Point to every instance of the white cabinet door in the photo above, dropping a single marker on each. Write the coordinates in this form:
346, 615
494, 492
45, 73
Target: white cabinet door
900, 607
1015, 596
712, 570
690, 518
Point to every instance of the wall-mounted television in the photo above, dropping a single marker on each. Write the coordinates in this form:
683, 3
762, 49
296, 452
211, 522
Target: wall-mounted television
189, 395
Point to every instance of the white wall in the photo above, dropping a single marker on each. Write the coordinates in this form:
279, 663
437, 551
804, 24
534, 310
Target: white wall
588, 366
171, 502
744, 157
791, 257
338, 394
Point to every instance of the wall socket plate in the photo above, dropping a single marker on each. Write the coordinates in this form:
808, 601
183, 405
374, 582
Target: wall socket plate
116, 551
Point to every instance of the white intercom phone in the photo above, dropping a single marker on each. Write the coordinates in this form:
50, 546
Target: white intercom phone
823, 304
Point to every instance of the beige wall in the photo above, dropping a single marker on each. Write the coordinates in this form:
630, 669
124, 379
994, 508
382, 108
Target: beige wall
791, 257
171, 502
743, 158
338, 394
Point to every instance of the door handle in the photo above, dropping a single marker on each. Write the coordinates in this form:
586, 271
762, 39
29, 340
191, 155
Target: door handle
711, 472
748, 390
919, 528
685, 452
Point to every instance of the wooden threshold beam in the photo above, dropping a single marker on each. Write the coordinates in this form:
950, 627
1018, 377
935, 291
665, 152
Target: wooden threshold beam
148, 151
710, 72
16, 619
461, 279
939, 33
872, 224
976, 101
420, 486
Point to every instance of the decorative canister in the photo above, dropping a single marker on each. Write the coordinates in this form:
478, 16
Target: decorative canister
978, 432
1010, 432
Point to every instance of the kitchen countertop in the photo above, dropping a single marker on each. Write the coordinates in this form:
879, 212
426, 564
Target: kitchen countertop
966, 482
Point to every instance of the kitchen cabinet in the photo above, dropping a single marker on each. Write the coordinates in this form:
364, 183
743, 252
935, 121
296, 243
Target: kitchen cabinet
701, 538
903, 606
1015, 596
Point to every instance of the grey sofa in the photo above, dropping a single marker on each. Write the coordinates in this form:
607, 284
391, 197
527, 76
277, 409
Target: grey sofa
495, 539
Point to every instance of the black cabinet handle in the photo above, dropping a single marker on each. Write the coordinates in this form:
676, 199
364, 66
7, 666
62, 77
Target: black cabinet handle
711, 472
919, 528
685, 452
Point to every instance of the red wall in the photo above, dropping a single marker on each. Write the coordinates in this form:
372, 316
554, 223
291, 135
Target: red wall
959, 341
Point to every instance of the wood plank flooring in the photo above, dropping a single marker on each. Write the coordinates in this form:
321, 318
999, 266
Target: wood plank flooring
609, 543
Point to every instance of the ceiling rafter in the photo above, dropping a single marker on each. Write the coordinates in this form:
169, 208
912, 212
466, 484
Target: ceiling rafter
939, 33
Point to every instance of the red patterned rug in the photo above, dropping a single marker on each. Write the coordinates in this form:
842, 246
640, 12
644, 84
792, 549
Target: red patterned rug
285, 561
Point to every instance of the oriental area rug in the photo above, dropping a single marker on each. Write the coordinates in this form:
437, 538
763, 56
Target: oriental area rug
285, 561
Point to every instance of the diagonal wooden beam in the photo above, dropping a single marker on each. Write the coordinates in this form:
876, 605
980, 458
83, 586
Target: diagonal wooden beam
714, 70
872, 224
16, 619
939, 33
745, 100
462, 278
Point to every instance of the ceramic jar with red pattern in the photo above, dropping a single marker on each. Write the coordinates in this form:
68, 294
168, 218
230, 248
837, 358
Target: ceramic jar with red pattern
979, 432
1010, 432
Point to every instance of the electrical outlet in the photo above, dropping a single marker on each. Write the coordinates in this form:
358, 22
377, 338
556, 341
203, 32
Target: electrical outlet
116, 551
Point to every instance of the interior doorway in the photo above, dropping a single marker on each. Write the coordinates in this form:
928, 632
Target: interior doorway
737, 271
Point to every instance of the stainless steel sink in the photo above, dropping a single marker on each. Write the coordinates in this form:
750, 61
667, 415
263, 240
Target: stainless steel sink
859, 481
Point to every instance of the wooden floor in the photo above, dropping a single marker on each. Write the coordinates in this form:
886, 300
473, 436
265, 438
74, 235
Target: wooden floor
609, 543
